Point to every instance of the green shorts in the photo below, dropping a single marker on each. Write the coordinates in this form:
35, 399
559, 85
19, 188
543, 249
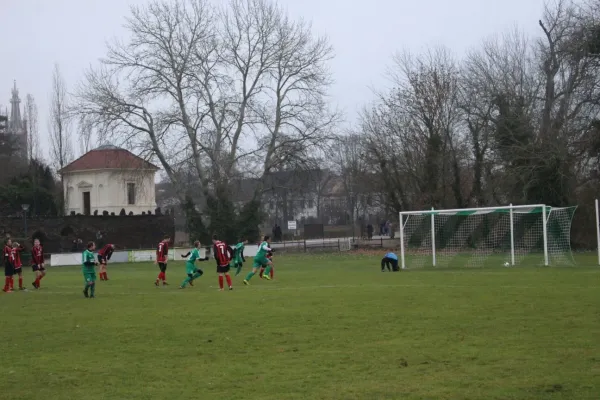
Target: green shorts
190, 268
260, 262
89, 277
237, 260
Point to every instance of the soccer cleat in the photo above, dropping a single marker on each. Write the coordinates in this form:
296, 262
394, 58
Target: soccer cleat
267, 277
230, 287
181, 287
246, 283
7, 290
85, 293
191, 283
165, 284
35, 285
22, 288
156, 284
221, 289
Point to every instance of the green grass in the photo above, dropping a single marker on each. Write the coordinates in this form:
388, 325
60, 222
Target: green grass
329, 327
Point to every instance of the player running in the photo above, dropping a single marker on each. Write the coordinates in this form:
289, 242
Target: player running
37, 259
262, 269
88, 268
223, 255
190, 265
260, 260
17, 265
103, 256
238, 256
162, 258
7, 255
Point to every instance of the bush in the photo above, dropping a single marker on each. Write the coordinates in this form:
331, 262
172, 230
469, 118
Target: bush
122, 213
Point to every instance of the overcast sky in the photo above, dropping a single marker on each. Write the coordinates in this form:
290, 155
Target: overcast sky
35, 34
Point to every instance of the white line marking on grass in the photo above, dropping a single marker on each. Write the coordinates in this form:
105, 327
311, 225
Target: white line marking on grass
77, 289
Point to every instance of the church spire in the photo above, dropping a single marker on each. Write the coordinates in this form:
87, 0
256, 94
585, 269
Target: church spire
15, 124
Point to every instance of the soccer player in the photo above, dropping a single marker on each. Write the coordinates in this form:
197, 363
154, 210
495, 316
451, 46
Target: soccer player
7, 255
260, 259
17, 265
262, 269
190, 265
89, 270
223, 255
103, 256
37, 259
162, 258
390, 260
238, 255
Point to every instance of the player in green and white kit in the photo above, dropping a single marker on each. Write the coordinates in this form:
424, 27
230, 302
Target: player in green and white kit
88, 267
260, 260
238, 255
190, 265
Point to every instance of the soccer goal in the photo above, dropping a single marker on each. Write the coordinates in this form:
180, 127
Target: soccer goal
490, 236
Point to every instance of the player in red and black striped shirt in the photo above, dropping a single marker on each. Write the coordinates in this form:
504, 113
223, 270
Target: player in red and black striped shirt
17, 265
223, 255
162, 258
7, 257
104, 255
37, 261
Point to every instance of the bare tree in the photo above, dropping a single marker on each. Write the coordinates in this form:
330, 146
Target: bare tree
224, 90
85, 130
59, 126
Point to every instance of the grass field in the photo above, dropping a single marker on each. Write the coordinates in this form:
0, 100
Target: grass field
328, 327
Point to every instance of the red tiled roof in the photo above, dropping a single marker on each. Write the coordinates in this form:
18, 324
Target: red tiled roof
109, 159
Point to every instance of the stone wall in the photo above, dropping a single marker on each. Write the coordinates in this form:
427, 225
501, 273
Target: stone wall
57, 233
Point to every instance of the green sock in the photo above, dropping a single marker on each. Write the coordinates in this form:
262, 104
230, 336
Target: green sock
250, 275
267, 271
186, 281
239, 269
86, 288
92, 289
197, 275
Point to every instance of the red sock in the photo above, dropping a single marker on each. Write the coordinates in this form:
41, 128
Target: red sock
6, 283
105, 276
20, 282
272, 272
164, 276
228, 280
12, 283
261, 272
221, 281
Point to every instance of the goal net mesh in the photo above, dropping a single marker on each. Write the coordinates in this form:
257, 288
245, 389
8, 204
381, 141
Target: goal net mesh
478, 238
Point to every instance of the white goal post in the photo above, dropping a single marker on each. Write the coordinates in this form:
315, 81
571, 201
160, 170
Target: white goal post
509, 235
597, 230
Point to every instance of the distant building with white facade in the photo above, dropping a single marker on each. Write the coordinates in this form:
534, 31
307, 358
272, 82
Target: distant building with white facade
109, 179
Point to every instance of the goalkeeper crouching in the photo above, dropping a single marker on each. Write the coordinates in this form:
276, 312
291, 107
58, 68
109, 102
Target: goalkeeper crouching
390, 260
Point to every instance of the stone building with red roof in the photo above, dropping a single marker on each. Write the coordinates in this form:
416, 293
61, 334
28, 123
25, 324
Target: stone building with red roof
109, 179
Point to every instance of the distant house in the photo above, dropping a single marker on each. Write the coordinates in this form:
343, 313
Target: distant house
109, 179
312, 196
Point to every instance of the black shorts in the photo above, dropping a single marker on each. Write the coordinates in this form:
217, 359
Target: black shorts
162, 266
101, 259
223, 270
9, 270
17, 271
36, 268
